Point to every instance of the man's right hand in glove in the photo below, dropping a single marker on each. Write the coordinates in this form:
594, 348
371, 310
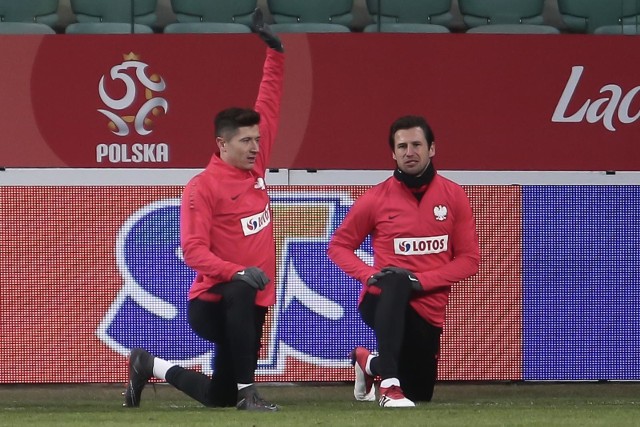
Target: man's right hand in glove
373, 280
253, 276
415, 283
259, 27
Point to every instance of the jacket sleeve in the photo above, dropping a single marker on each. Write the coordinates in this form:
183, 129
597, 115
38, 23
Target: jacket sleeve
348, 237
465, 247
196, 217
268, 104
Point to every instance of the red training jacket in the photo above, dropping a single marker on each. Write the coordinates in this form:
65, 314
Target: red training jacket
434, 238
225, 218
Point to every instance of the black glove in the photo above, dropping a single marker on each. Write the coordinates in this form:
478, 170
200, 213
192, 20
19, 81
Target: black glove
415, 283
375, 277
253, 276
259, 27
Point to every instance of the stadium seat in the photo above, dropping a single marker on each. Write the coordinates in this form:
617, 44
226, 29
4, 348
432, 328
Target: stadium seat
304, 12
206, 27
309, 27
33, 16
206, 16
629, 29
509, 14
585, 16
407, 27
107, 28
102, 14
409, 16
513, 29
25, 28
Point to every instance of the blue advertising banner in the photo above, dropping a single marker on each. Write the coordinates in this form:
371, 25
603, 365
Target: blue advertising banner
581, 282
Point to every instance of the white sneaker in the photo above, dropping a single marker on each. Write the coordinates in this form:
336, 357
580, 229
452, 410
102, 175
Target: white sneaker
363, 389
393, 397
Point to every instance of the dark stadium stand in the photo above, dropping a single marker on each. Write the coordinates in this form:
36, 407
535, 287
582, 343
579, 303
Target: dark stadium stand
230, 16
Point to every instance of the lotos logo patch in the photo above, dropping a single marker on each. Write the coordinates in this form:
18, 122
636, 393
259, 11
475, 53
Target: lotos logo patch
421, 245
255, 223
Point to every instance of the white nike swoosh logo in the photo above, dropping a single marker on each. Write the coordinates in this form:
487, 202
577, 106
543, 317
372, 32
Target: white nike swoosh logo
241, 273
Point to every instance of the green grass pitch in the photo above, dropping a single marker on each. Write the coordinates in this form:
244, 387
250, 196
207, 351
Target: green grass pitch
454, 404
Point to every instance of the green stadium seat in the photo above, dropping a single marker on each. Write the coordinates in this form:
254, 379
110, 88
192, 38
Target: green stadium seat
25, 28
511, 15
391, 27
629, 29
107, 28
113, 11
40, 12
513, 29
206, 27
585, 16
309, 27
409, 16
206, 16
305, 12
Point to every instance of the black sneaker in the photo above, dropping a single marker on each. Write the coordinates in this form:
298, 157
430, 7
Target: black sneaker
140, 370
250, 400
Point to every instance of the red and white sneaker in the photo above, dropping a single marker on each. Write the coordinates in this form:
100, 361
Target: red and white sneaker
393, 397
363, 389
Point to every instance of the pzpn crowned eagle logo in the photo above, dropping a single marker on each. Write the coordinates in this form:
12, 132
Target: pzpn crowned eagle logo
440, 212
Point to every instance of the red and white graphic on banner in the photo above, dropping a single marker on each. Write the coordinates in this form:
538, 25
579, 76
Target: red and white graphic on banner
522, 102
79, 261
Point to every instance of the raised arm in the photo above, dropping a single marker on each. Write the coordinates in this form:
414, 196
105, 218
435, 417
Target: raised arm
270, 91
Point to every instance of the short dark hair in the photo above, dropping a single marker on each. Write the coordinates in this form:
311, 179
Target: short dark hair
230, 119
408, 122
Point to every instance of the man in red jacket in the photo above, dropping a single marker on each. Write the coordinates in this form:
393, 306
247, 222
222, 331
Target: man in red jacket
424, 240
226, 234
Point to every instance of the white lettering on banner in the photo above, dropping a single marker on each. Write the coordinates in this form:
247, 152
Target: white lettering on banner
136, 153
590, 110
420, 245
254, 223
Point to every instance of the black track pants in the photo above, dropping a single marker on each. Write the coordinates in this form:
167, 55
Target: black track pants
234, 324
408, 346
